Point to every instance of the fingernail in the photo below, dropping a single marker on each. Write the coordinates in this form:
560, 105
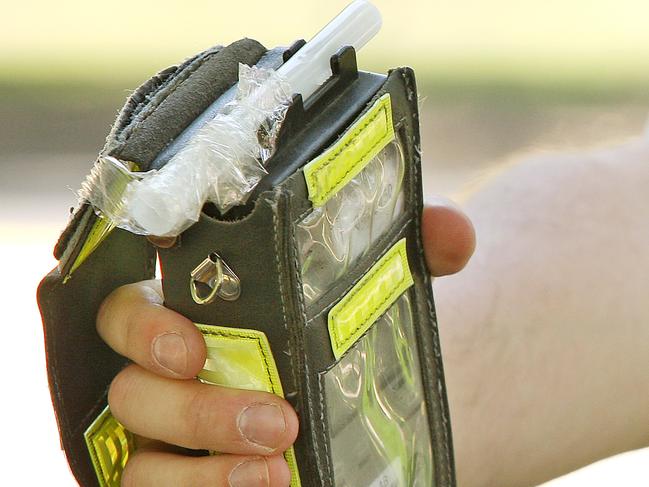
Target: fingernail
170, 351
253, 473
263, 425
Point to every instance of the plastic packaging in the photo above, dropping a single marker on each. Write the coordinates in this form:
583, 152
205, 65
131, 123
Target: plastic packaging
309, 67
333, 237
376, 413
222, 162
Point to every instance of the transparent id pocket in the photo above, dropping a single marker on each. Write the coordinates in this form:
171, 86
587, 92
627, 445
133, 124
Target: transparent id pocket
377, 421
334, 236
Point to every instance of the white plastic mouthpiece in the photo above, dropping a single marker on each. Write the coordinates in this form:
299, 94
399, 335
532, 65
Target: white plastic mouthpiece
221, 158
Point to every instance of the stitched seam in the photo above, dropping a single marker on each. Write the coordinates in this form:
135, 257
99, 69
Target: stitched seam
91, 413
184, 76
302, 310
435, 352
95, 455
416, 175
291, 359
279, 280
329, 160
324, 421
391, 296
297, 275
359, 130
332, 158
388, 260
60, 413
313, 425
274, 387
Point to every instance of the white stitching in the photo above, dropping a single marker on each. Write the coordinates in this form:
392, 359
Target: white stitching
416, 167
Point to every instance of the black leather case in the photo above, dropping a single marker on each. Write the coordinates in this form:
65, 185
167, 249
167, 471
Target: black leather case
258, 241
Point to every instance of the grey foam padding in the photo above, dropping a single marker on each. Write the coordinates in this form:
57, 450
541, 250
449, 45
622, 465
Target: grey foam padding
273, 59
161, 108
171, 101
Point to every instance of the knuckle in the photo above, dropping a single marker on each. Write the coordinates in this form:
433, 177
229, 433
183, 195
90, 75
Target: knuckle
199, 414
204, 416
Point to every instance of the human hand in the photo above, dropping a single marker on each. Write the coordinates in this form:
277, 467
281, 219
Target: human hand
158, 399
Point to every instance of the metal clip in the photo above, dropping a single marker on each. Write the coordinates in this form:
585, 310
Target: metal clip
213, 278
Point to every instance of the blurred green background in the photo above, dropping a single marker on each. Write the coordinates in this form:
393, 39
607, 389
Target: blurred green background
496, 77
499, 80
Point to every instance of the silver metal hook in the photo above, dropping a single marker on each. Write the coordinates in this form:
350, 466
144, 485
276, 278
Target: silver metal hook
213, 278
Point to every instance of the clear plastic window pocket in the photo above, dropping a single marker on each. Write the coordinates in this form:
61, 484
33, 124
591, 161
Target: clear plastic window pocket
376, 413
356, 187
334, 236
377, 424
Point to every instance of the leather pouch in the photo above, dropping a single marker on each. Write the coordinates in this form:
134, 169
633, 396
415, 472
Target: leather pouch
316, 289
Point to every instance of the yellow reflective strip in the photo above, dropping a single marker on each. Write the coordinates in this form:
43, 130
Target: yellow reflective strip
335, 167
242, 359
109, 445
98, 233
239, 358
369, 298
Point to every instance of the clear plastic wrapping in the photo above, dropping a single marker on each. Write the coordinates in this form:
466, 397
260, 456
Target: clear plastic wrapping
332, 237
222, 163
377, 420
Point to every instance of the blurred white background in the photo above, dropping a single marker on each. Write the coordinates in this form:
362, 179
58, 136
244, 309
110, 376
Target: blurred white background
499, 79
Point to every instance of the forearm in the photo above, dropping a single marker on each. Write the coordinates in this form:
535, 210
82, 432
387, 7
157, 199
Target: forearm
545, 334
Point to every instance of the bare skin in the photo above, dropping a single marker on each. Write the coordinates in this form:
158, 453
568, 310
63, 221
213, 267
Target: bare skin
157, 398
545, 334
545, 338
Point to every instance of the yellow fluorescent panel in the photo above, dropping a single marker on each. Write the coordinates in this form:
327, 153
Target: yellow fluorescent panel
369, 298
110, 446
102, 227
335, 167
100, 230
242, 359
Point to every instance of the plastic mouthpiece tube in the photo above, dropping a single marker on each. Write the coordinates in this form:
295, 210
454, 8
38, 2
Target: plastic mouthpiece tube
310, 67
157, 203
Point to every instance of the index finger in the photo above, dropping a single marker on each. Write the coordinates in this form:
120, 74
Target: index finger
133, 321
